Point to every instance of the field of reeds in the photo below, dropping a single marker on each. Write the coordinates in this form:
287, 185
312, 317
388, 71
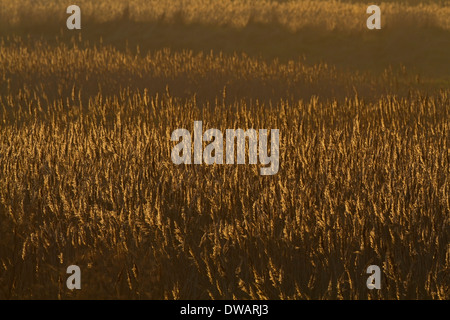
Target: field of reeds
86, 176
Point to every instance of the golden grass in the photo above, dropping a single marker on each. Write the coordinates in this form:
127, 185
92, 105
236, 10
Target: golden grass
86, 178
294, 15
414, 35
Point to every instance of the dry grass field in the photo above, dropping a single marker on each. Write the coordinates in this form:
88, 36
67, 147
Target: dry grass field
86, 176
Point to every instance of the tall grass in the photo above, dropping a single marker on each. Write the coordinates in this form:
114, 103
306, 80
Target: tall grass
294, 15
86, 178
414, 34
